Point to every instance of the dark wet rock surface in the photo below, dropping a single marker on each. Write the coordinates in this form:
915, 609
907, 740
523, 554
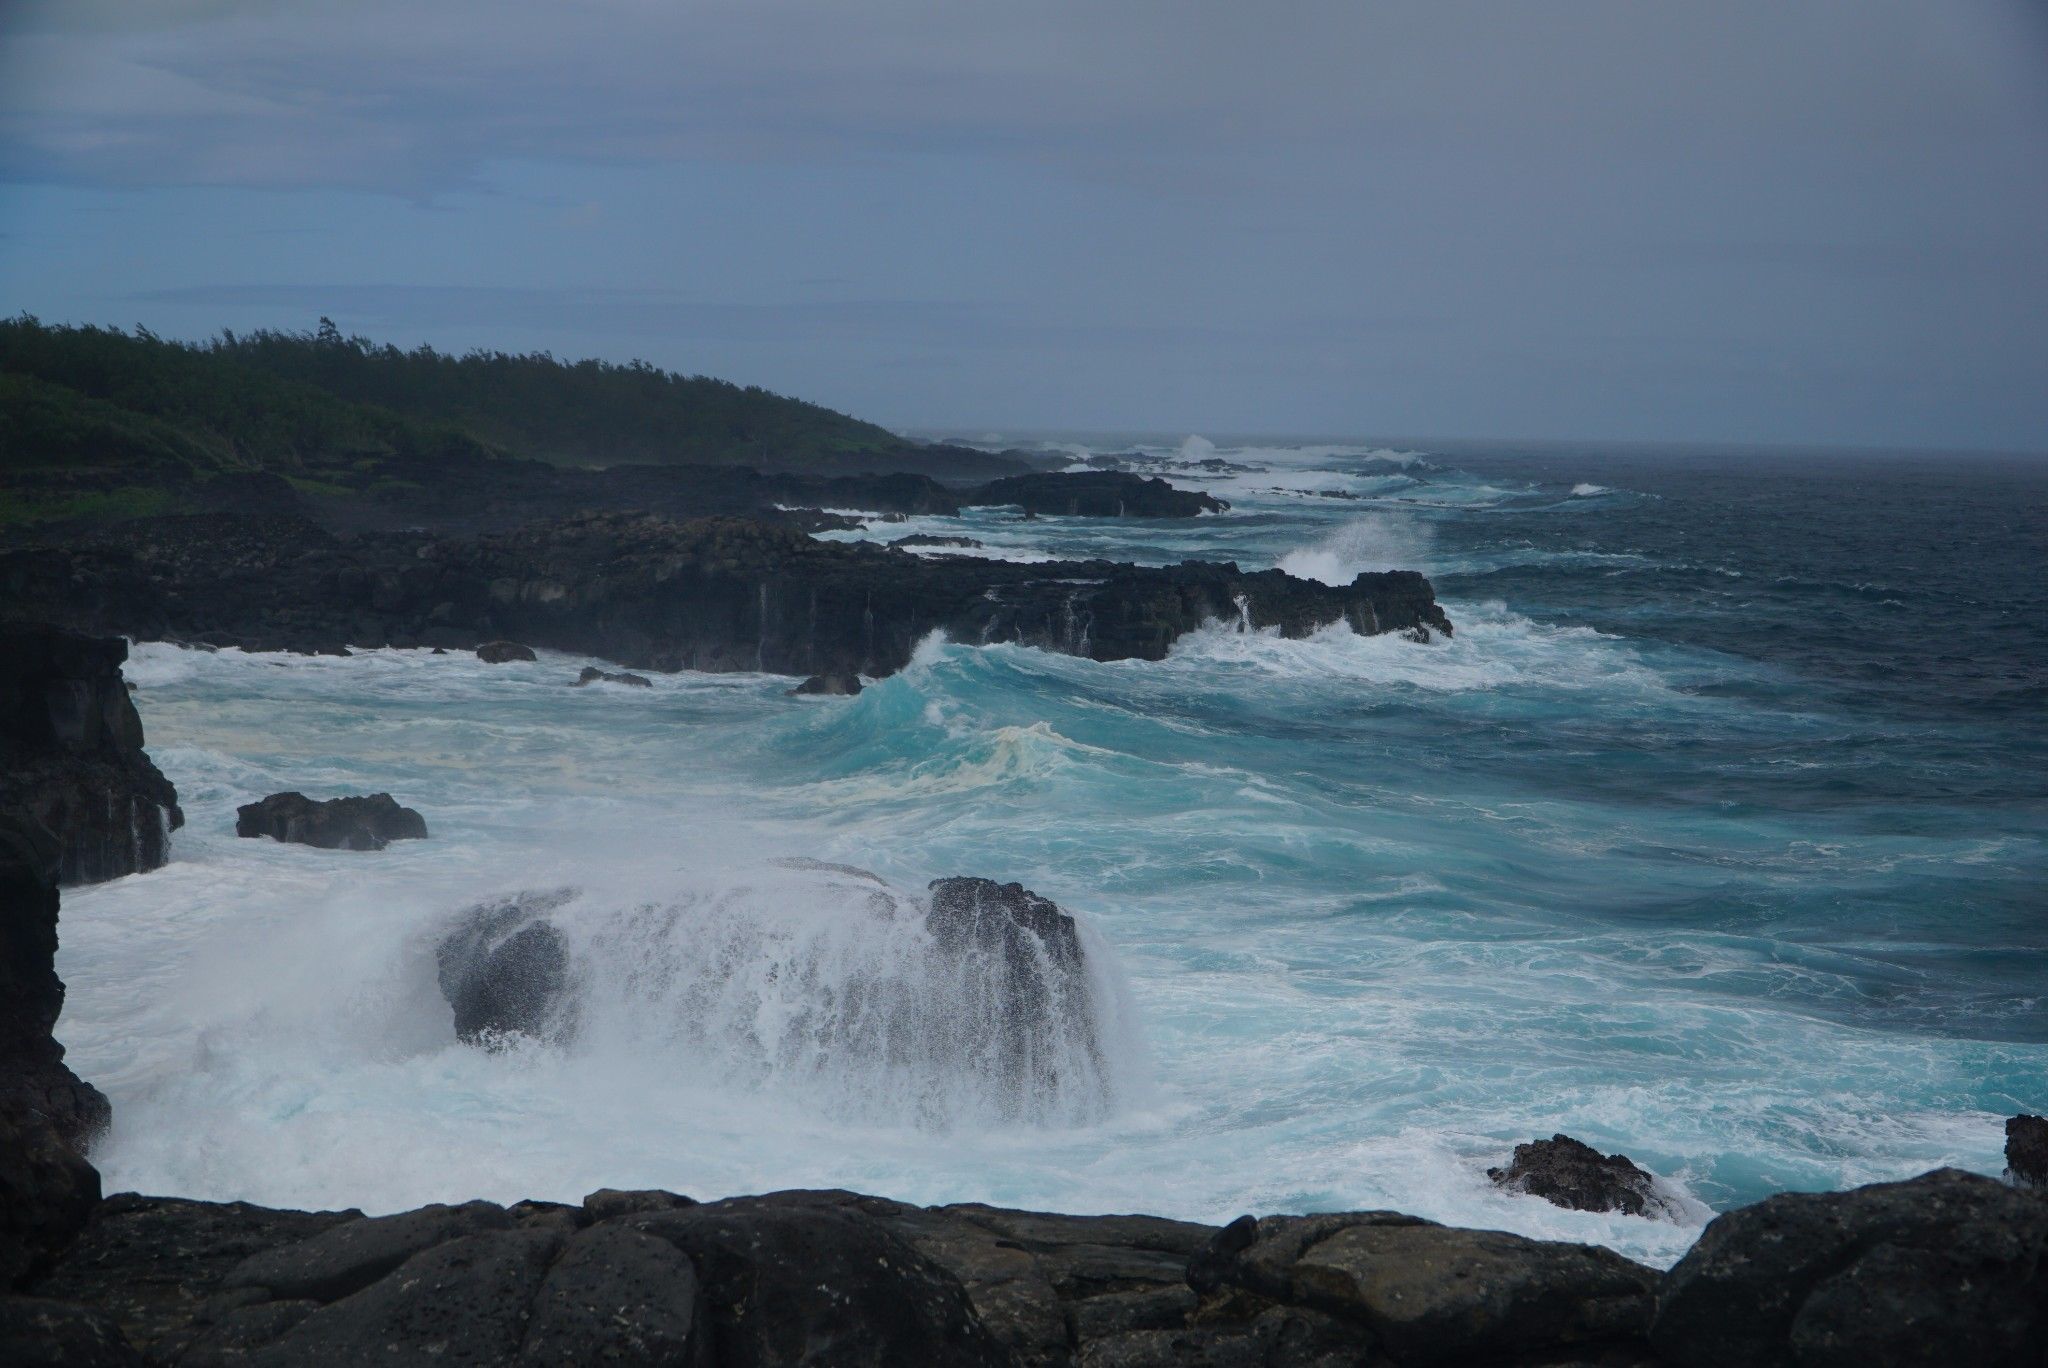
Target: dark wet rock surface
648, 593
1572, 1174
1949, 1268
73, 774
2026, 1150
1096, 494
503, 652
504, 968
592, 675
1946, 1269
355, 823
49, 1116
838, 684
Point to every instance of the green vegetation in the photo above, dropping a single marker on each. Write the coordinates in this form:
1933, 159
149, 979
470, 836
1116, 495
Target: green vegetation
98, 423
571, 413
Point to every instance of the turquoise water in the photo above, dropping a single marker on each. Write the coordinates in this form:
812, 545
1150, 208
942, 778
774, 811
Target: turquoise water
1716, 835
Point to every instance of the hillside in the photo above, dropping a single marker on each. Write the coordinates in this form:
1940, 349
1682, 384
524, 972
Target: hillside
98, 423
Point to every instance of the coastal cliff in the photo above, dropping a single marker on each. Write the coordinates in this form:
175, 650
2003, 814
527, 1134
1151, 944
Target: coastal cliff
647, 592
74, 780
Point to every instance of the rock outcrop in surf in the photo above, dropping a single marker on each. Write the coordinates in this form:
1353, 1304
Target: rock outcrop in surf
73, 773
368, 822
504, 969
979, 999
1572, 1174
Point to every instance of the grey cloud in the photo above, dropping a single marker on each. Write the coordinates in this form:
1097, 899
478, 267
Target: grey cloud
415, 98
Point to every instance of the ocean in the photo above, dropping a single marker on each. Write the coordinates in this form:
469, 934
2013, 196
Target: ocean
1717, 835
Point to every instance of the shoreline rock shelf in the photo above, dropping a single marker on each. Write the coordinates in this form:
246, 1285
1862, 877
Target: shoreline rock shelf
716, 594
1946, 1268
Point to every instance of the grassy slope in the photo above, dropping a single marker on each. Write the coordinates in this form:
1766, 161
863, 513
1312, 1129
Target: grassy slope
98, 423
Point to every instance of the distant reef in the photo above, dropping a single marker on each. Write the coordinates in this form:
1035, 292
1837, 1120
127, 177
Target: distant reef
706, 594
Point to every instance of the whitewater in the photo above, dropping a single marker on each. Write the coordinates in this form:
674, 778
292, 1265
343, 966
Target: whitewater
1714, 836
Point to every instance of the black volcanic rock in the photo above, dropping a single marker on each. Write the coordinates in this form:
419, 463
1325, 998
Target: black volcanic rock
503, 968
2026, 1150
592, 675
1948, 1268
790, 1283
37, 1089
1569, 1173
501, 652
1434, 1294
1096, 494
930, 539
47, 1192
71, 757
353, 823
838, 684
38, 1333
710, 594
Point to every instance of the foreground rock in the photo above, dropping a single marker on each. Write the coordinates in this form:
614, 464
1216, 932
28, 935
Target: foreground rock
1096, 494
710, 594
1947, 1268
503, 652
355, 823
72, 767
1571, 1174
2026, 1150
1426, 1293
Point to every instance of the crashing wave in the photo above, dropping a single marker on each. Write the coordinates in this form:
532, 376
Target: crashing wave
974, 1001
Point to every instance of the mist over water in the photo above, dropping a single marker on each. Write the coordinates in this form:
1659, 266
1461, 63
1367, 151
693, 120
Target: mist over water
1715, 835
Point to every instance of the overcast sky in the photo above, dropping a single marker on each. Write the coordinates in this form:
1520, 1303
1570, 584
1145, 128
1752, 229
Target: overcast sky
1723, 220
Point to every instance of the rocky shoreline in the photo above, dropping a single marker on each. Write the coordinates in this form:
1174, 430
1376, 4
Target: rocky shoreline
1948, 1268
650, 593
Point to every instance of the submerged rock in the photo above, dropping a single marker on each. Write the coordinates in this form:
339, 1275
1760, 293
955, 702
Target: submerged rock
1949, 1267
355, 823
1571, 1174
500, 652
504, 969
838, 684
2026, 1150
592, 675
71, 760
